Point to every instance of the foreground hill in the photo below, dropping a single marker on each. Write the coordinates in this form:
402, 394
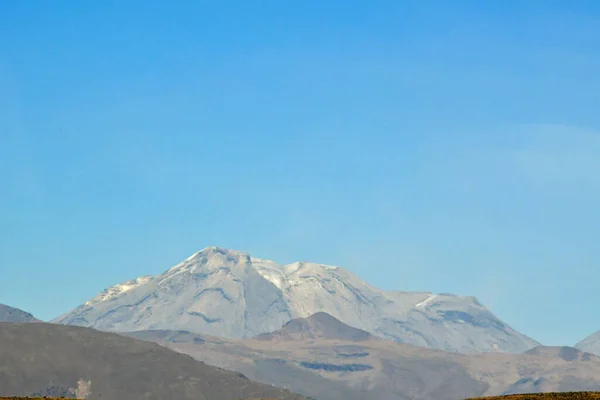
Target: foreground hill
39, 359
231, 294
11, 314
322, 357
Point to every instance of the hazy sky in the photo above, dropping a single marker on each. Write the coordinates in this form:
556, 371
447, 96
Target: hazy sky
438, 146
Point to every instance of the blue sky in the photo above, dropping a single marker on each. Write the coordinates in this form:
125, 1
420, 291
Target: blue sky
442, 146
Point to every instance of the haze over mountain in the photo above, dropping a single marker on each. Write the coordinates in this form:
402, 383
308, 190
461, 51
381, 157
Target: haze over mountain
322, 357
54, 360
231, 294
11, 314
590, 344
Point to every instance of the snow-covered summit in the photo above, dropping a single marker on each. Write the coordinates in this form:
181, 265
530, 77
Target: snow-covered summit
229, 293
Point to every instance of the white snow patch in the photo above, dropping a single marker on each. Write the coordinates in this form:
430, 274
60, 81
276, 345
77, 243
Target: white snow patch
426, 301
120, 288
270, 270
292, 268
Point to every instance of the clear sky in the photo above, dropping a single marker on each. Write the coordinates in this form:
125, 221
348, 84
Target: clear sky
437, 146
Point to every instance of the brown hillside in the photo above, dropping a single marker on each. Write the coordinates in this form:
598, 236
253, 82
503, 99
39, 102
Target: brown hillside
38, 359
546, 396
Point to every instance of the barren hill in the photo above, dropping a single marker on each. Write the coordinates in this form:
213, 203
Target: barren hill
324, 358
39, 359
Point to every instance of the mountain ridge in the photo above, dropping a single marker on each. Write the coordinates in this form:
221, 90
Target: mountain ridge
591, 344
231, 294
338, 367
12, 314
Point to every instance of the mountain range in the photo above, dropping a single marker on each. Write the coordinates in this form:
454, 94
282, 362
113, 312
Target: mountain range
232, 294
324, 358
318, 356
258, 328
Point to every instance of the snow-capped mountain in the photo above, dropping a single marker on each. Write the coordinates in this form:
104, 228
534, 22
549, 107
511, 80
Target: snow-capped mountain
591, 344
229, 293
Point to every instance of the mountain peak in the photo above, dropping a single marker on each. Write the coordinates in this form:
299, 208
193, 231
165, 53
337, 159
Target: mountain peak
222, 251
208, 259
317, 326
216, 251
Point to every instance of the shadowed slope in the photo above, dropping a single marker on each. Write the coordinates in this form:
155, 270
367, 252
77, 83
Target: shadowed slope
46, 359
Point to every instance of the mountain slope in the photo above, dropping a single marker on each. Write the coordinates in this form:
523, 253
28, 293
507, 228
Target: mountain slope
231, 294
49, 360
591, 344
317, 326
335, 367
11, 314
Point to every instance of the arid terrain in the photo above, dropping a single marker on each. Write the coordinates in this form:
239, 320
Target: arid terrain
41, 359
326, 359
